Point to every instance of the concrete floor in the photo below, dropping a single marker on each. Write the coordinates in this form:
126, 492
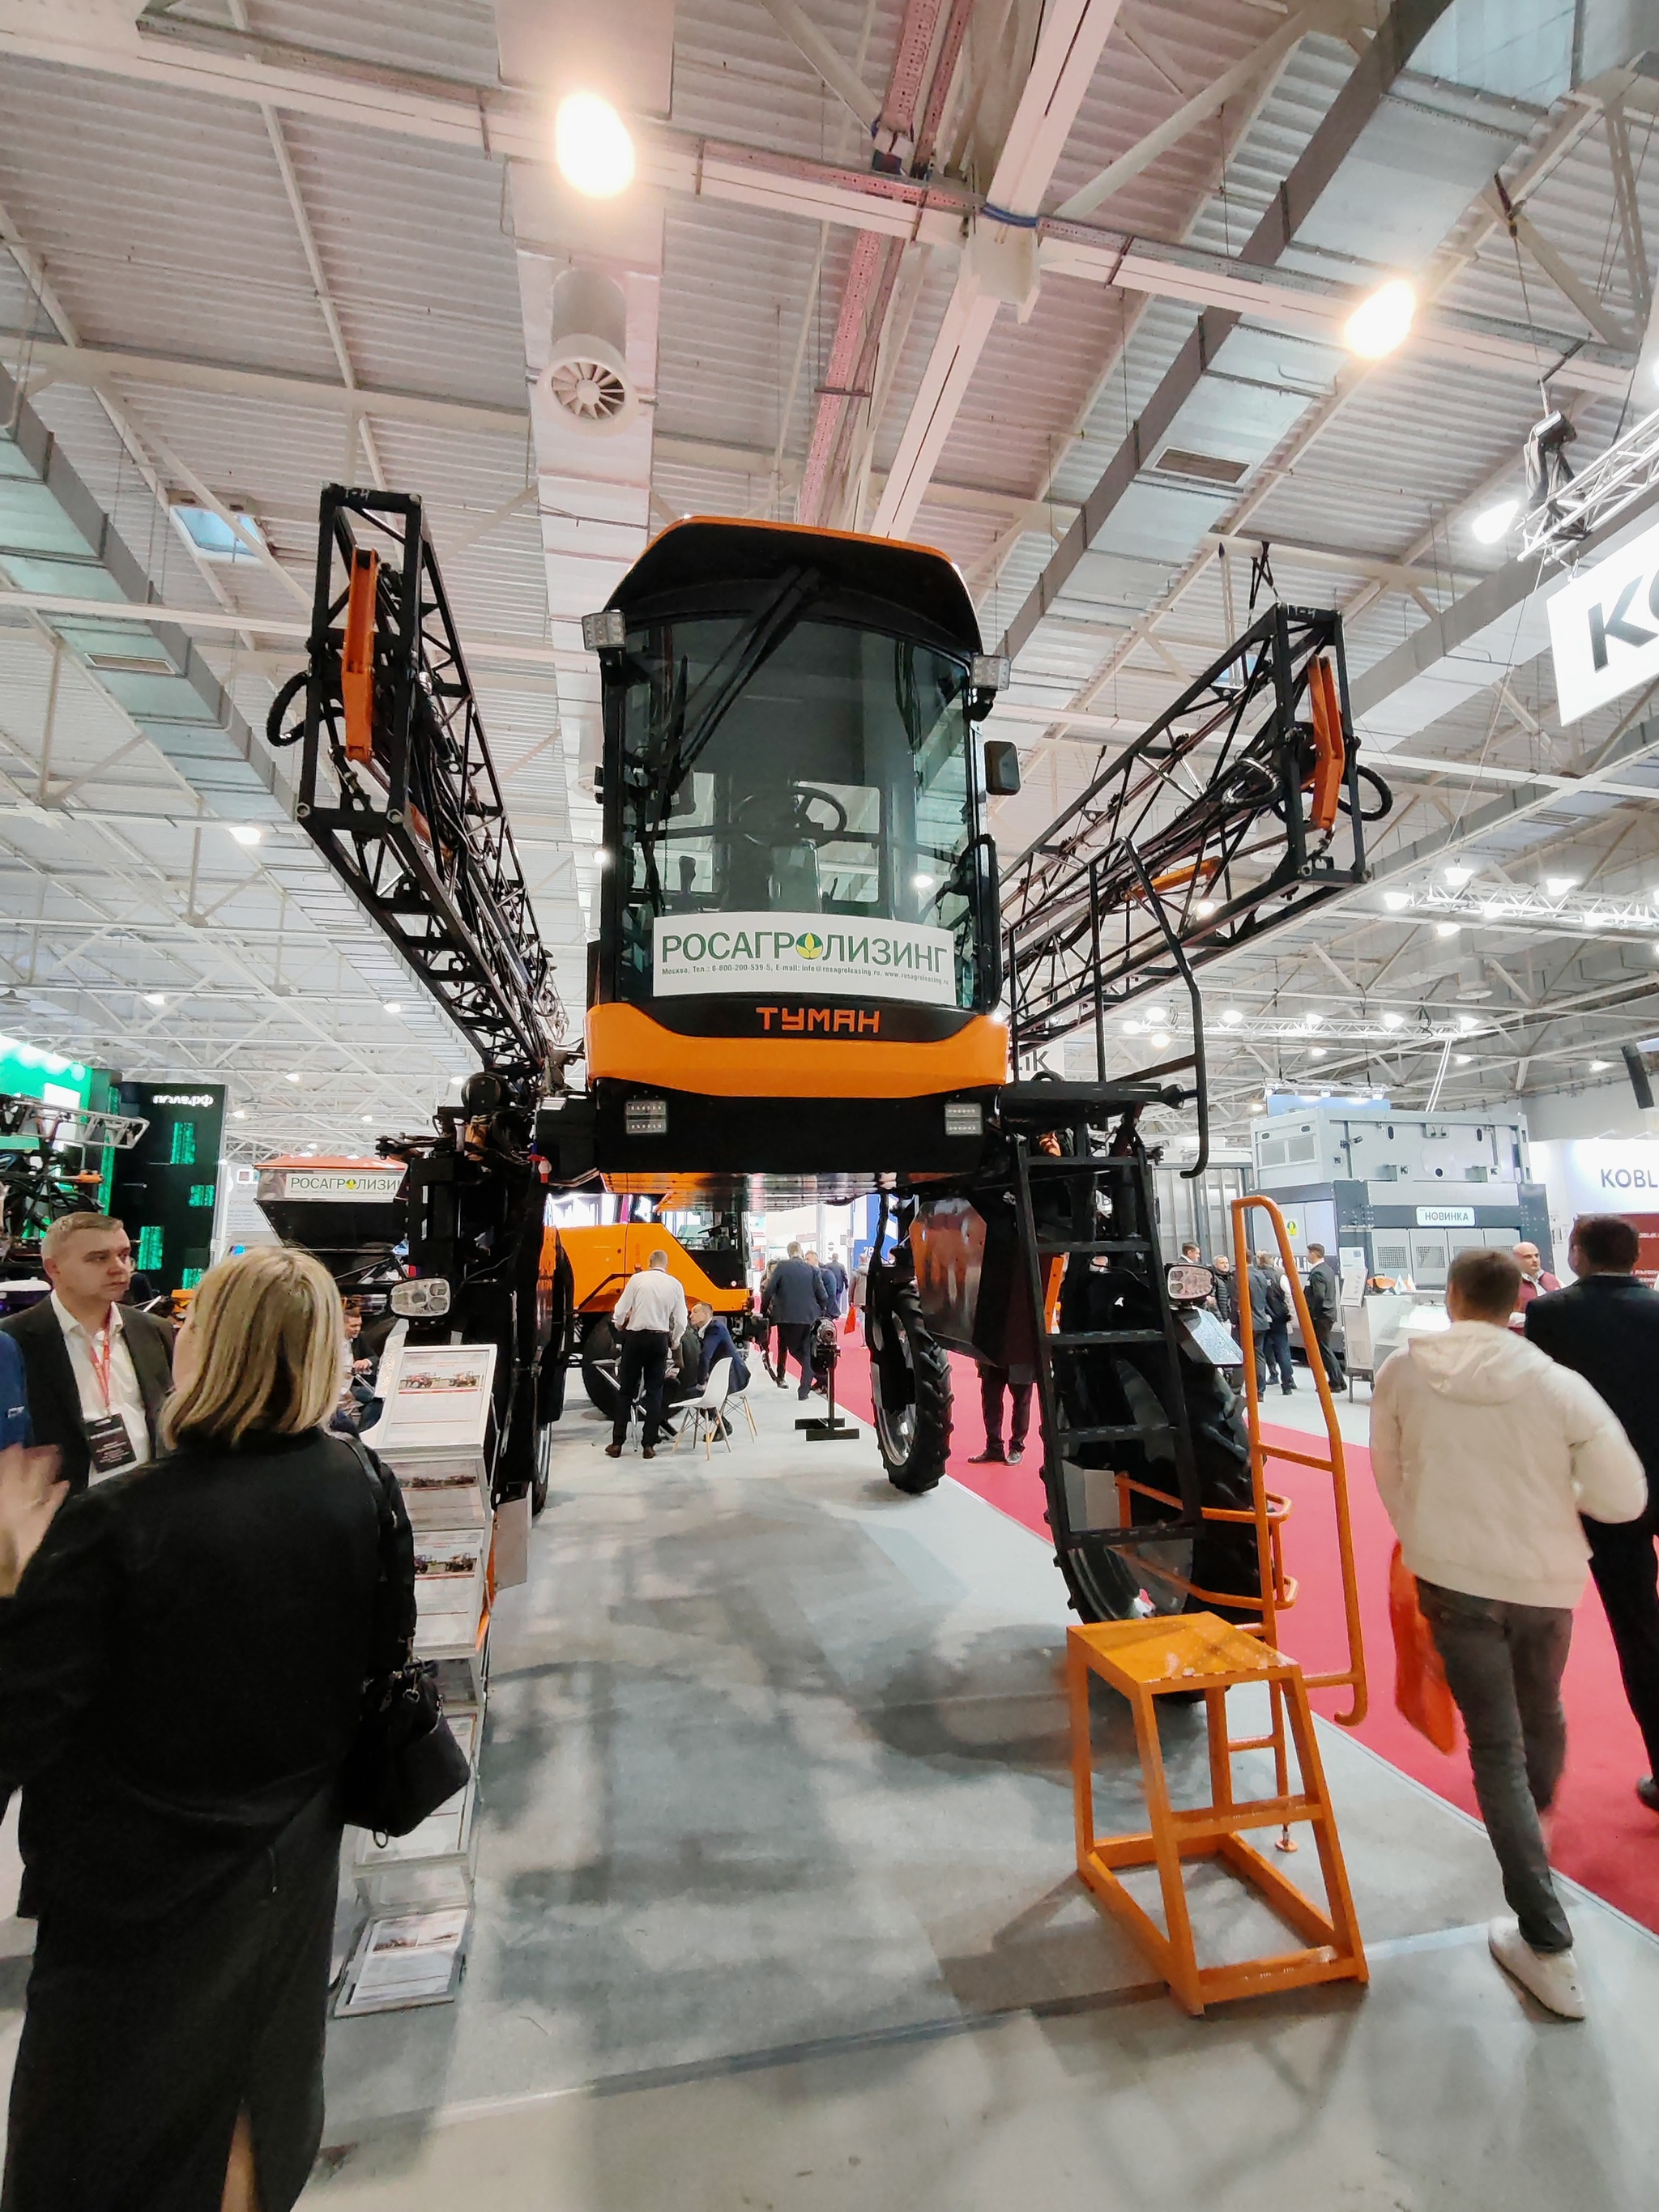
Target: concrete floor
776, 1909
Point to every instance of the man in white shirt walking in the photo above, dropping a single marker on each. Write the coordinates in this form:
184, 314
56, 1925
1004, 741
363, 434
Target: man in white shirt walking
651, 1318
97, 1372
1486, 1452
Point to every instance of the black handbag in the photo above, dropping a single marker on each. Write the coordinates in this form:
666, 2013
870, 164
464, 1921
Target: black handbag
405, 1762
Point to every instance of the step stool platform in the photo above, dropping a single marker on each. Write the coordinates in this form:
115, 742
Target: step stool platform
1200, 1652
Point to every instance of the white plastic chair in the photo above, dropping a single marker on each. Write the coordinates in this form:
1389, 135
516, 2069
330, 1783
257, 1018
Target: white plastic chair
740, 1399
707, 1408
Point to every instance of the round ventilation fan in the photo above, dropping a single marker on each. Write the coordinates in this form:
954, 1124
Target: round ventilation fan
586, 374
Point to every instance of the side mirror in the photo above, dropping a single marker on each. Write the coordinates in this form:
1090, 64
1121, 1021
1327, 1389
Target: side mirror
1001, 767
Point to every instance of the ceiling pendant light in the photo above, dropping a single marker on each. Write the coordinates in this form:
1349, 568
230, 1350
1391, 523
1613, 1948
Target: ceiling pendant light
592, 147
1381, 322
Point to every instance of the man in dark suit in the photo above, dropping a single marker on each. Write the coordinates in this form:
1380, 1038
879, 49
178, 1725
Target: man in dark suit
1323, 1291
96, 1371
1606, 1328
795, 1301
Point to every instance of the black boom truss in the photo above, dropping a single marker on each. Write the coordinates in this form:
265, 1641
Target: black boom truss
396, 787
1238, 811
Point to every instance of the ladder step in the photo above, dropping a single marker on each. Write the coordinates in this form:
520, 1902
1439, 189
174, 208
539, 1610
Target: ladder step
1066, 1337
1094, 1244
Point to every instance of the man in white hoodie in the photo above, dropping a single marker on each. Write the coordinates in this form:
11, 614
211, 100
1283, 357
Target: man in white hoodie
1486, 1453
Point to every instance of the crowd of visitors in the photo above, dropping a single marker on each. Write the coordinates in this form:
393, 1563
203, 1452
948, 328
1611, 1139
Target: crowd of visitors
174, 1509
182, 1514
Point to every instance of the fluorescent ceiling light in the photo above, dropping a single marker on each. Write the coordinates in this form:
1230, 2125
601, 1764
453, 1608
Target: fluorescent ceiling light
246, 833
1393, 1021
1491, 523
1558, 886
155, 998
1379, 324
1447, 928
1396, 902
1457, 875
592, 144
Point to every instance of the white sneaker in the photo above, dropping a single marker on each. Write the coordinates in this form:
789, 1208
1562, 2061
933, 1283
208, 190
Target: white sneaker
1550, 1976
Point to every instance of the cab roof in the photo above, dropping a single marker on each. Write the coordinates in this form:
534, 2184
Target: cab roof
704, 551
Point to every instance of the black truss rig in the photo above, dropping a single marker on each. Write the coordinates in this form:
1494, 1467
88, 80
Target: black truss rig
402, 798
1194, 840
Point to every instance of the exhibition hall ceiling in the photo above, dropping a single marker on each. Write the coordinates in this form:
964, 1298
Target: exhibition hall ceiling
1066, 297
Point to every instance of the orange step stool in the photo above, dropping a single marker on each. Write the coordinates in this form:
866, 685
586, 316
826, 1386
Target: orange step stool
1201, 1651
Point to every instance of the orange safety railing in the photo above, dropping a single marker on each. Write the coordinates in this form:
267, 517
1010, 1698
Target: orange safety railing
1278, 1595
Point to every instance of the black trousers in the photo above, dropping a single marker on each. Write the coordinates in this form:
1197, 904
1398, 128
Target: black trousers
1626, 1566
795, 1341
993, 1382
1272, 1350
644, 1362
1335, 1374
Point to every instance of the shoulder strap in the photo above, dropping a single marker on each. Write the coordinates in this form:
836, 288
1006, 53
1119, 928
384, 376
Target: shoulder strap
395, 1610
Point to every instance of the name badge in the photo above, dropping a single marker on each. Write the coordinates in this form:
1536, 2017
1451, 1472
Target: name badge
110, 1444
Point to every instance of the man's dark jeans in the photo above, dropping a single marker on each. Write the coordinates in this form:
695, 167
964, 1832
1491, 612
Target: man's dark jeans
644, 1360
1272, 1347
1504, 1665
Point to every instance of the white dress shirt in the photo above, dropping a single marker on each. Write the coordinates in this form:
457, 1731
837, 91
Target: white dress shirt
86, 1354
652, 1299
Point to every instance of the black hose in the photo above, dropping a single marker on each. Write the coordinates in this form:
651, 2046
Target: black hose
1384, 796
275, 733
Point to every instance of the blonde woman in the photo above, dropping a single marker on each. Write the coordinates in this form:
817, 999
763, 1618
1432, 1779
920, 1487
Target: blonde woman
183, 1652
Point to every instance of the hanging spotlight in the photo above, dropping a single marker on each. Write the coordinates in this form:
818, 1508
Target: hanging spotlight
1393, 1021
1558, 886
1493, 522
1447, 928
1380, 323
592, 144
1457, 875
1396, 902
1232, 1017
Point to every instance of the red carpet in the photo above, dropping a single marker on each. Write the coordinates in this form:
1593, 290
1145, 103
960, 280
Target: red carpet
1603, 1837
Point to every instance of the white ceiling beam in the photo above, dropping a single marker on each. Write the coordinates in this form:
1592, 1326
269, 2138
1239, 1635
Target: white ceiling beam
512, 650
44, 362
1215, 95
1069, 45
842, 79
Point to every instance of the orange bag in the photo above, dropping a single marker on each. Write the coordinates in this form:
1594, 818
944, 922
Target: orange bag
1420, 1680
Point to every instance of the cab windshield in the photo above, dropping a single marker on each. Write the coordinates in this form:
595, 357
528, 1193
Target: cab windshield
810, 770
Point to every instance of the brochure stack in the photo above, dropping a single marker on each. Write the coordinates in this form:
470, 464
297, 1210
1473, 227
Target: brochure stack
417, 1889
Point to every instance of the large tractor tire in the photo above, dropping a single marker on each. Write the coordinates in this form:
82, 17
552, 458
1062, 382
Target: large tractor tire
910, 1384
601, 1351
538, 1477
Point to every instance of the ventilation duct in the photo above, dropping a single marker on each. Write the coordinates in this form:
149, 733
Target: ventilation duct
586, 374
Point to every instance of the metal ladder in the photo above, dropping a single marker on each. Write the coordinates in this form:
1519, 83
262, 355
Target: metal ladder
1085, 1177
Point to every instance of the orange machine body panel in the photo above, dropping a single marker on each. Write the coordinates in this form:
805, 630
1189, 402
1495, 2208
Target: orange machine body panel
625, 1044
602, 1259
357, 659
1330, 749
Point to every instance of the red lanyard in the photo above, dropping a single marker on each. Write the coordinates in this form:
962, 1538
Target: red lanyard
101, 1367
